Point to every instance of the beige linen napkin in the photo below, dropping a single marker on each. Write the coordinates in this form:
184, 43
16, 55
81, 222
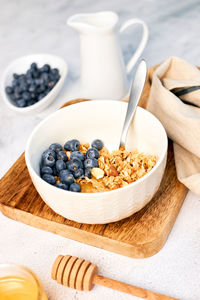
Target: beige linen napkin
181, 121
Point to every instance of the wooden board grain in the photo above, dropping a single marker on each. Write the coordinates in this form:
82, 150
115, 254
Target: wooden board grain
141, 235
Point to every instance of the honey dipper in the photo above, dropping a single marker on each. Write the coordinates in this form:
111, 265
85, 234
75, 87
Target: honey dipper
80, 274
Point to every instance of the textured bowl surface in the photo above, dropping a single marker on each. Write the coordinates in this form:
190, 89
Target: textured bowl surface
87, 121
21, 65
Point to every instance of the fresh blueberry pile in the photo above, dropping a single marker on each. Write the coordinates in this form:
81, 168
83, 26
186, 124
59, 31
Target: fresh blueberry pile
29, 88
55, 165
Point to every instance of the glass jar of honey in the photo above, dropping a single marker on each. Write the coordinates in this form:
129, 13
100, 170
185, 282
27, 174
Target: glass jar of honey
19, 283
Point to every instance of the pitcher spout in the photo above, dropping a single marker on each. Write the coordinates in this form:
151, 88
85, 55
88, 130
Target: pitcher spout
96, 22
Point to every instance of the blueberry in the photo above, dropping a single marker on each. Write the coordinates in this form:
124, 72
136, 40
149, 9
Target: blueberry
26, 96
48, 158
46, 170
67, 179
54, 76
17, 89
17, 95
54, 79
34, 96
55, 172
60, 165
16, 76
21, 103
62, 186
31, 102
22, 78
55, 147
72, 145
98, 144
9, 90
39, 81
91, 163
29, 73
92, 153
74, 164
77, 154
42, 95
87, 173
62, 155
49, 152
79, 173
34, 66
64, 173
30, 81
23, 86
75, 187
55, 71
49, 178
32, 88
47, 90
42, 81
49, 161
35, 74
46, 68
41, 89
12, 97
15, 82
45, 77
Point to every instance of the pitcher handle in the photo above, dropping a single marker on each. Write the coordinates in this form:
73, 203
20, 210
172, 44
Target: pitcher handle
142, 43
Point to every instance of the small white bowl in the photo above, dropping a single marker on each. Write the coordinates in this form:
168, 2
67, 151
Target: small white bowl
21, 65
87, 121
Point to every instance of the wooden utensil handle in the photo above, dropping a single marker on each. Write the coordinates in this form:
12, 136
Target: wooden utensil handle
129, 289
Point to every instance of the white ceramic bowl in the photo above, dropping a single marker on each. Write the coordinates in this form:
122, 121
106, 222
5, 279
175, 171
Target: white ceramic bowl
87, 121
21, 65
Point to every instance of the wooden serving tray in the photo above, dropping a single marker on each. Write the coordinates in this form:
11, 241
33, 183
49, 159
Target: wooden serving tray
141, 235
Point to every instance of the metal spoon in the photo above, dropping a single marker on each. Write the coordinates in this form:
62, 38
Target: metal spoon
135, 94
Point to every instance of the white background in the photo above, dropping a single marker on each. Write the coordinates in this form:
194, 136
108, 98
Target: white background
40, 27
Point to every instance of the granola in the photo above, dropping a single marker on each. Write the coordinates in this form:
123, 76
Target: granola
116, 169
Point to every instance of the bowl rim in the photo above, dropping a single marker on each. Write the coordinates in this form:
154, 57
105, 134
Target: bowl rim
90, 195
43, 100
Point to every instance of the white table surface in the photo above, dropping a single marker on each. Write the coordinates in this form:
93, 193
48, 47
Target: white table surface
39, 26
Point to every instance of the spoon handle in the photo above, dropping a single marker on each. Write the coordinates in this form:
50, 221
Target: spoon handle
135, 94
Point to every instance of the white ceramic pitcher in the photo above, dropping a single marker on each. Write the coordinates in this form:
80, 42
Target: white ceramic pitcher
103, 73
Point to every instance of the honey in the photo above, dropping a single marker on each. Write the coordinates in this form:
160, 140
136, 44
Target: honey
19, 283
19, 288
